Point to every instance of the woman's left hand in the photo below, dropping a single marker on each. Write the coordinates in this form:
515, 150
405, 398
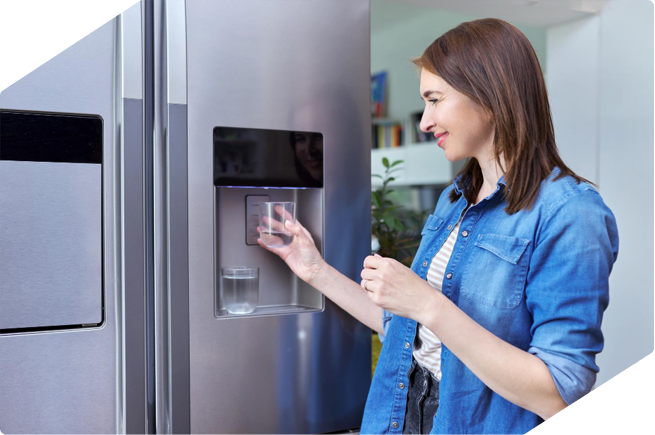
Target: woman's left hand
396, 288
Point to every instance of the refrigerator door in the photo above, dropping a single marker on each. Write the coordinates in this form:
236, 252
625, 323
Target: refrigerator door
292, 66
72, 240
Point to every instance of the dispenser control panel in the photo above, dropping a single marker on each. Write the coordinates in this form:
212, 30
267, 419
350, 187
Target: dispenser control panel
252, 217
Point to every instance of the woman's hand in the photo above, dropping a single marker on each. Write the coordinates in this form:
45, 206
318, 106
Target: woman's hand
397, 289
301, 255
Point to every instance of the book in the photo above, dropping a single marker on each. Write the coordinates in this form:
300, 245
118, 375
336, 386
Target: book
378, 94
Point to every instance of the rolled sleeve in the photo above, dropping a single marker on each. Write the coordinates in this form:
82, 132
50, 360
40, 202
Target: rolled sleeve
568, 290
386, 319
572, 380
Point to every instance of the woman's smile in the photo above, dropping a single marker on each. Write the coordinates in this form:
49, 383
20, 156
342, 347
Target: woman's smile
441, 137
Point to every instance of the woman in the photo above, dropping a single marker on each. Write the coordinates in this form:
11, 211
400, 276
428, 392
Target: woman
496, 326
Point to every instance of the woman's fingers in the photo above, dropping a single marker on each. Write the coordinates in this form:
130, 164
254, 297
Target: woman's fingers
368, 274
369, 285
281, 252
272, 224
373, 262
283, 212
297, 229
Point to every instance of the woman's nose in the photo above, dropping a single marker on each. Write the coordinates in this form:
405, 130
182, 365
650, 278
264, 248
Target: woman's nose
427, 122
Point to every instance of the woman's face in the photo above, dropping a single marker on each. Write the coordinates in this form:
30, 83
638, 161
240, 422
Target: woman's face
309, 151
462, 127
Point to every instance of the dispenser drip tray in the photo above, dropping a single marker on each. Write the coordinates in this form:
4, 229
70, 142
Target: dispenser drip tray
270, 310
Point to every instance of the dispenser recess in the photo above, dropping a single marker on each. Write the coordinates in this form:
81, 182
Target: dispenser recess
257, 165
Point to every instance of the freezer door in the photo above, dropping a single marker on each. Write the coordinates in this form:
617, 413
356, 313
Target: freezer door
69, 139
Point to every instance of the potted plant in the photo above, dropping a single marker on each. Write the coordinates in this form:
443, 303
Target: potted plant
394, 228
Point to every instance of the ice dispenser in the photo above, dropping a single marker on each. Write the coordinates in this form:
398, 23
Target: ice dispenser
252, 167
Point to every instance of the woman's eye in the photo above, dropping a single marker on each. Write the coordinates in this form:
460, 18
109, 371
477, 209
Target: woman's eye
433, 102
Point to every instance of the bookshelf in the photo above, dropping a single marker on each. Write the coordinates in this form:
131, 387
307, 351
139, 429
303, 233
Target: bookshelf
387, 133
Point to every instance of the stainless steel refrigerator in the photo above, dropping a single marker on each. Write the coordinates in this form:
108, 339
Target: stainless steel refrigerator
130, 169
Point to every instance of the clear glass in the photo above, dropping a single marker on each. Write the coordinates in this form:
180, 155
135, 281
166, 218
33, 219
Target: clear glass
240, 289
272, 216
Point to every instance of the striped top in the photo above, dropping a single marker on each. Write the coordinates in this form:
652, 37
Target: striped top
427, 346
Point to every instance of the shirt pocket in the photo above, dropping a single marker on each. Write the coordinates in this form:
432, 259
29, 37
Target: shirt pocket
497, 270
431, 225
428, 234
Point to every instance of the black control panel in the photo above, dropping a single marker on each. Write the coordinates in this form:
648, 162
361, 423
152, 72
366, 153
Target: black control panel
250, 157
50, 137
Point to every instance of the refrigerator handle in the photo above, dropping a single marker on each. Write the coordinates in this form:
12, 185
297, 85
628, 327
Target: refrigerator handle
132, 410
173, 190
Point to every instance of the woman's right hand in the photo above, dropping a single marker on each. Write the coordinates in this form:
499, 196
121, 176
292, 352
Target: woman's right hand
301, 255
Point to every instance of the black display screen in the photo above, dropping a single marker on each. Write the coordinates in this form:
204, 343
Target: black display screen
50, 137
250, 157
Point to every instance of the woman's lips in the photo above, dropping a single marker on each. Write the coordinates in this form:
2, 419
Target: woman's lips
314, 164
441, 137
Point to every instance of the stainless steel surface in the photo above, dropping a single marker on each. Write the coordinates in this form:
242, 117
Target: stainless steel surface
135, 404
179, 267
295, 66
132, 53
170, 219
280, 291
50, 244
176, 51
66, 382
149, 97
160, 157
133, 263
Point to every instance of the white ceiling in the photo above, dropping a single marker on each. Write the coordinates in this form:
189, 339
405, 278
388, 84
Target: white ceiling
540, 13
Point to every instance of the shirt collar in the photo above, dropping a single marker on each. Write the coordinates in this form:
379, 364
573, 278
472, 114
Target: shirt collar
460, 184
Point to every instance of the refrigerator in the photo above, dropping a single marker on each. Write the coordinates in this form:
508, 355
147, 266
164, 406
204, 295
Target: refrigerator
131, 169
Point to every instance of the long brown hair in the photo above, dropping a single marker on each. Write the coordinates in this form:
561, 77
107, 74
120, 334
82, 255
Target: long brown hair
493, 63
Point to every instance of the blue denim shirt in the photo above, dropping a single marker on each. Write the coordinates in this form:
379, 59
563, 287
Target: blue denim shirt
537, 279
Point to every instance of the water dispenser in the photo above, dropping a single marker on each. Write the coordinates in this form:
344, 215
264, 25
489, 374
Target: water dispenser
251, 167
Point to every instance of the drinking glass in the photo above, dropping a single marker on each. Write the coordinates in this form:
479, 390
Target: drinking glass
240, 289
272, 216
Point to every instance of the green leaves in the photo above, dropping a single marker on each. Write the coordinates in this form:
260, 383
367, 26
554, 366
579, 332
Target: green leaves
385, 163
395, 228
376, 198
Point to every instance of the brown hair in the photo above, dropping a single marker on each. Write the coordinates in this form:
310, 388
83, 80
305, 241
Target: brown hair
493, 63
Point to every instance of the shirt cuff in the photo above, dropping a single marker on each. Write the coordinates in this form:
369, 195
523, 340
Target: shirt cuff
571, 379
386, 320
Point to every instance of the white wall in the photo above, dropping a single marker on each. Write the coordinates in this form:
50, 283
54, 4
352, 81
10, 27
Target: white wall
600, 80
573, 80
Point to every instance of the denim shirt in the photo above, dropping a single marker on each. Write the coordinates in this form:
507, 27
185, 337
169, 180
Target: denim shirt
537, 279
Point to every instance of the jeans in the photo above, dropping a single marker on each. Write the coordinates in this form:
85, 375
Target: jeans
422, 400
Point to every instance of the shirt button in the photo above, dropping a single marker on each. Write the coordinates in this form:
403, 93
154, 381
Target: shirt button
401, 386
450, 275
450, 227
465, 233
406, 345
394, 425
425, 263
